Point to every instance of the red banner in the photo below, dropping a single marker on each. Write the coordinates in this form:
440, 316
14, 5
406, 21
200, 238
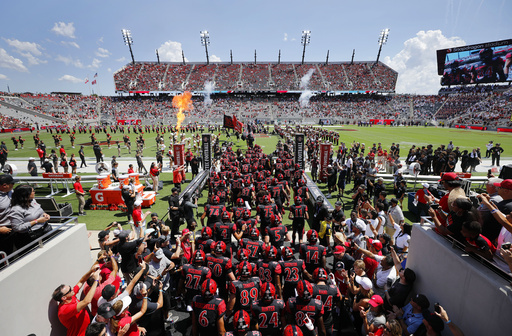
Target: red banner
8, 130
325, 151
129, 121
504, 129
478, 128
57, 175
179, 154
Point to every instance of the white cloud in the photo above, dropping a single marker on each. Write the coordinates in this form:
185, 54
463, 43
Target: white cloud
29, 50
69, 61
285, 37
64, 29
109, 69
32, 60
20, 46
95, 64
72, 44
416, 63
3, 77
122, 59
72, 79
100, 40
215, 58
170, 51
101, 52
10, 62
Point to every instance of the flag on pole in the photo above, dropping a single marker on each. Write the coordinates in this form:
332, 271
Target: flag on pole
93, 82
95, 75
228, 122
86, 80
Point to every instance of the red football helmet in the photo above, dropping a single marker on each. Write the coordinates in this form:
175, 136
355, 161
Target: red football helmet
312, 236
206, 232
292, 330
274, 181
280, 176
225, 215
208, 289
302, 182
247, 214
240, 202
220, 247
241, 321
271, 252
199, 256
320, 274
215, 199
268, 291
254, 234
304, 290
243, 254
298, 200
286, 252
245, 269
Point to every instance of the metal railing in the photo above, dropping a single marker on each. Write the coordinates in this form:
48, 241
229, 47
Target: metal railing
193, 188
491, 265
7, 260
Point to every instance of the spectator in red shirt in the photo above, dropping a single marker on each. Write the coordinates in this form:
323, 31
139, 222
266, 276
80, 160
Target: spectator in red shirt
422, 198
177, 176
73, 313
154, 172
104, 281
80, 195
62, 151
130, 169
139, 219
40, 153
476, 242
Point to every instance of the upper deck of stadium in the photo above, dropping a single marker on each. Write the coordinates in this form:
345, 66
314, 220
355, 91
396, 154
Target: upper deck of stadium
261, 76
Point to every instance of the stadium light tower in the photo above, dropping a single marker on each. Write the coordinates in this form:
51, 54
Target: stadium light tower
127, 37
383, 38
306, 38
205, 41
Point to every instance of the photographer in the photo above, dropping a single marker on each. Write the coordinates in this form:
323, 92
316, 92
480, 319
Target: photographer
188, 205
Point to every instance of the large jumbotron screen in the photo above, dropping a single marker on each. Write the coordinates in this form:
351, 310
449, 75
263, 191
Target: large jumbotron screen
478, 63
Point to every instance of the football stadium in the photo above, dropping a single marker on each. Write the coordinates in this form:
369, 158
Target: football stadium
260, 197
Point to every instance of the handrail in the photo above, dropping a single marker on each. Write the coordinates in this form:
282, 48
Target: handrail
196, 184
504, 274
38, 242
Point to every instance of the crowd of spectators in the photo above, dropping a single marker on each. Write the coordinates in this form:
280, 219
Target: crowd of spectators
10, 122
254, 76
199, 75
260, 76
468, 107
175, 76
228, 76
150, 76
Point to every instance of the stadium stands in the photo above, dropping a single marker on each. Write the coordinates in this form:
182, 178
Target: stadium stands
148, 76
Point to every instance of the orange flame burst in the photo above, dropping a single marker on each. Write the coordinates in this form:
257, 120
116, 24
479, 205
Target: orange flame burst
184, 103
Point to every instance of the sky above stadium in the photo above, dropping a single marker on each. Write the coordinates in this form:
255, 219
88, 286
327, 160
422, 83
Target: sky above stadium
57, 45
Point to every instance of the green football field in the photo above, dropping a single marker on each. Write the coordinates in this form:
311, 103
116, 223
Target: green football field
406, 136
